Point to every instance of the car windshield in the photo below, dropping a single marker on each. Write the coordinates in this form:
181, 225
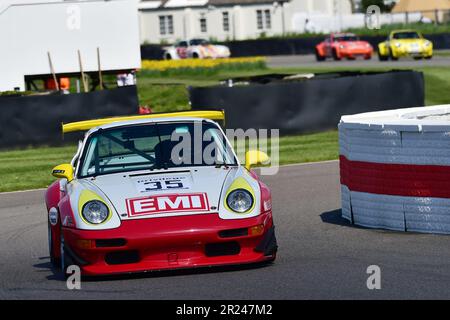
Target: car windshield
346, 38
198, 42
406, 35
155, 146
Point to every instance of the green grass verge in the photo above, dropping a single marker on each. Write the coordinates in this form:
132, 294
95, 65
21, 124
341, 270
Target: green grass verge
31, 168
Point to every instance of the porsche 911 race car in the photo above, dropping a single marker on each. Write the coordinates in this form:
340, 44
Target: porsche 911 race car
134, 198
402, 43
343, 45
195, 48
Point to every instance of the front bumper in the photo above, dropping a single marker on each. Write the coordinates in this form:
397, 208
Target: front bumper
352, 53
405, 51
172, 243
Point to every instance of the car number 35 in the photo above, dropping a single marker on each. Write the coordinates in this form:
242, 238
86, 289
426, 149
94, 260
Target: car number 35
163, 185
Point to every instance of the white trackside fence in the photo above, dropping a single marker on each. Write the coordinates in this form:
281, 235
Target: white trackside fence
395, 169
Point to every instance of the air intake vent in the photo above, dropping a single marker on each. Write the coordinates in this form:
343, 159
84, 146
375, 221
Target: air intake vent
103, 243
233, 233
222, 249
122, 257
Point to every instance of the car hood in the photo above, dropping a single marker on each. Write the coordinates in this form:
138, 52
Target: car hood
355, 43
131, 194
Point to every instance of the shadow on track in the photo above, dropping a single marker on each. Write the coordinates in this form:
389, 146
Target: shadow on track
335, 217
58, 275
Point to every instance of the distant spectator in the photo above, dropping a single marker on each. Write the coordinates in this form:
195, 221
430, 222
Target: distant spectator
64, 84
309, 26
126, 79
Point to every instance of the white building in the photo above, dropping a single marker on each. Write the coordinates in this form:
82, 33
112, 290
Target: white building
31, 30
169, 20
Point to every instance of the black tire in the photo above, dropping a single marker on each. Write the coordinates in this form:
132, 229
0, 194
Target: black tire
167, 56
429, 57
65, 260
392, 56
382, 57
53, 260
335, 55
195, 55
418, 58
318, 56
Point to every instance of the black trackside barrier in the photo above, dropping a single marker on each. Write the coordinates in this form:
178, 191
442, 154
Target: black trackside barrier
308, 105
36, 120
287, 46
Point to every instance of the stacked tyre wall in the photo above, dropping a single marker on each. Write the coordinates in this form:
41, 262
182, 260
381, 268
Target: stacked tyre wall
395, 169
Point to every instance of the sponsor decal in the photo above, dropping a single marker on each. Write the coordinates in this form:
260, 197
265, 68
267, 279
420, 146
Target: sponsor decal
150, 184
167, 203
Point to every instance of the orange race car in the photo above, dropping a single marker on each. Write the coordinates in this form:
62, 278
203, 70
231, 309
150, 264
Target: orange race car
343, 45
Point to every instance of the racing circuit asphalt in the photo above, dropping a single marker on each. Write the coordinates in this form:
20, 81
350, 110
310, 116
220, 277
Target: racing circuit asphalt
309, 61
320, 255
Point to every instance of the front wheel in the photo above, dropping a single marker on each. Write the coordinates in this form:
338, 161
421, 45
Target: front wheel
53, 259
391, 55
429, 57
382, 57
318, 56
335, 55
65, 260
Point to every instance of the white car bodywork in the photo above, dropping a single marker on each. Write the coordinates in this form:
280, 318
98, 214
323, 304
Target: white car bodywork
195, 48
116, 189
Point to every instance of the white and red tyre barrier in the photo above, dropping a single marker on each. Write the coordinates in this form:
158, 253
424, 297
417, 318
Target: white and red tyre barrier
395, 169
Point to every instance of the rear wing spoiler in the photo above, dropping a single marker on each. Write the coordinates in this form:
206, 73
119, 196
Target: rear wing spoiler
217, 115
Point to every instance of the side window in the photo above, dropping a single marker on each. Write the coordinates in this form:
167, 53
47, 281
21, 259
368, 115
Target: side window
203, 25
182, 44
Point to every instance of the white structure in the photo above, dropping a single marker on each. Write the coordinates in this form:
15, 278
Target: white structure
395, 169
29, 29
171, 20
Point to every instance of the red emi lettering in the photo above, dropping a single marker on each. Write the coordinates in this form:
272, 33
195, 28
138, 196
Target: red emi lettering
191, 202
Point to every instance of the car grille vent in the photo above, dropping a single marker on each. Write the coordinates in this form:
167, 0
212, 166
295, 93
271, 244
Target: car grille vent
104, 243
222, 249
233, 233
122, 257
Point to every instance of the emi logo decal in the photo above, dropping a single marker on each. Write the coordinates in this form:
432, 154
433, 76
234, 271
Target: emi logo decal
168, 203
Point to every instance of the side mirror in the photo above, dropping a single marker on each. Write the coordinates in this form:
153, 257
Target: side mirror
63, 171
255, 158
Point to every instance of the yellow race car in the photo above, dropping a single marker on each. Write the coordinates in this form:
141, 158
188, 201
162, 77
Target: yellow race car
401, 43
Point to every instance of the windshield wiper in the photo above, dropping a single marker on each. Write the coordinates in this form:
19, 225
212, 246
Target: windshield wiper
225, 165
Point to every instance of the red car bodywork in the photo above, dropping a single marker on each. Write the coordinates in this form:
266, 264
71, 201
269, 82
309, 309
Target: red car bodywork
338, 46
162, 243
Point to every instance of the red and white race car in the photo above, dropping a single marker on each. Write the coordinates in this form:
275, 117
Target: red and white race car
343, 45
196, 48
134, 199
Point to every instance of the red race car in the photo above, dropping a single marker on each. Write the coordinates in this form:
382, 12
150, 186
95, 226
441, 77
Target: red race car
343, 45
128, 202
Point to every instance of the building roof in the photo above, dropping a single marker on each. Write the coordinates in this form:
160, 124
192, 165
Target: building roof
241, 2
420, 5
155, 4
